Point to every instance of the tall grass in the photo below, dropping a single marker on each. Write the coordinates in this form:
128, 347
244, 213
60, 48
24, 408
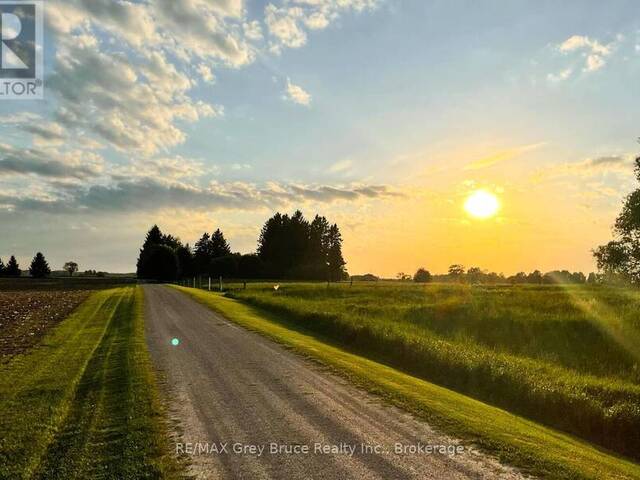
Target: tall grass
557, 355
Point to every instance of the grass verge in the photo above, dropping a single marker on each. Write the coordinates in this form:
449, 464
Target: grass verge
84, 403
533, 448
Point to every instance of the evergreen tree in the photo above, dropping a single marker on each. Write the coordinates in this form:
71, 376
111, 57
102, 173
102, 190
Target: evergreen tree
292, 247
1, 268
39, 267
272, 246
154, 237
159, 262
219, 246
185, 261
202, 254
335, 260
12, 269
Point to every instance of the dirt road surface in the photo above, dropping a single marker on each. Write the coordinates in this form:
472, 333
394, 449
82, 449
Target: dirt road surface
280, 416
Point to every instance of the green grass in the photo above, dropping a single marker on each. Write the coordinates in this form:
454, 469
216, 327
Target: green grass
84, 403
563, 356
523, 443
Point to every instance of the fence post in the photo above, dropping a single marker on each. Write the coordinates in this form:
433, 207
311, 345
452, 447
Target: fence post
209, 283
194, 282
220, 280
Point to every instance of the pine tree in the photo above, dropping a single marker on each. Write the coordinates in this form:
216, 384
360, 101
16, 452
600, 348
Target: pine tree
202, 254
1, 268
154, 237
39, 267
12, 269
219, 246
334, 257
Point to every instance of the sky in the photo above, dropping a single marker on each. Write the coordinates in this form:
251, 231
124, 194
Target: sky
383, 115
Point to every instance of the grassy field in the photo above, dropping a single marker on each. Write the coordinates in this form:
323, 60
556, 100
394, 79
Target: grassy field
83, 403
562, 356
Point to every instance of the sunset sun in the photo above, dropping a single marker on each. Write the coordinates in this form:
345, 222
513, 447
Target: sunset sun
482, 204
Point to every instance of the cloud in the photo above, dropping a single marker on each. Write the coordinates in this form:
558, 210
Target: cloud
503, 156
206, 73
138, 106
288, 25
594, 52
74, 164
341, 166
559, 77
147, 195
590, 167
51, 133
297, 94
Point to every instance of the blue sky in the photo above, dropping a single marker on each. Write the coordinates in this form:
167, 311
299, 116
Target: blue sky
383, 115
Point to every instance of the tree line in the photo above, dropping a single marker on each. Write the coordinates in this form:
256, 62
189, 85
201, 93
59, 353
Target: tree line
459, 274
39, 267
289, 247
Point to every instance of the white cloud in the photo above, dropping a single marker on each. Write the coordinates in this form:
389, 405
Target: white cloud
149, 195
206, 73
288, 24
297, 94
594, 52
341, 166
559, 77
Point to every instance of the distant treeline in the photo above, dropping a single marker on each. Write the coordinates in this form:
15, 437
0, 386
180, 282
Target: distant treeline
289, 247
39, 267
459, 274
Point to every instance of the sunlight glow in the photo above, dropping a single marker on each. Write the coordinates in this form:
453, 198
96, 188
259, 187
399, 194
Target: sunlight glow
482, 204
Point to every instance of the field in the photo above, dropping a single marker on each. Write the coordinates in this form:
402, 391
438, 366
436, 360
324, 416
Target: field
567, 357
27, 315
83, 403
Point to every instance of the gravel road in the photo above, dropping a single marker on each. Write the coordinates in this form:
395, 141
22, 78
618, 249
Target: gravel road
246, 408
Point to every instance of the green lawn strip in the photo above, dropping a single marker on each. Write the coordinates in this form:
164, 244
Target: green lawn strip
85, 403
36, 388
514, 440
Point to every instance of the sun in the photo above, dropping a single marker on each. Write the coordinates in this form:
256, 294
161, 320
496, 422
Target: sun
482, 204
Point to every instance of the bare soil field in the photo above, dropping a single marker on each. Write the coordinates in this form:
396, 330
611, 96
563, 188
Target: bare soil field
26, 316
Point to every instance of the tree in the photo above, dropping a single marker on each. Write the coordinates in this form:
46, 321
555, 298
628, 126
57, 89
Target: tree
158, 262
202, 254
403, 277
71, 267
535, 277
12, 269
456, 272
250, 266
219, 246
186, 267
335, 260
1, 268
158, 259
475, 275
422, 276
39, 267
154, 237
292, 247
621, 256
